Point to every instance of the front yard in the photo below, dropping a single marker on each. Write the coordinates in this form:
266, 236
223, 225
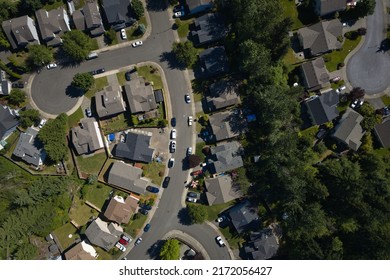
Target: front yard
74, 119
338, 56
100, 83
183, 27
153, 171
151, 74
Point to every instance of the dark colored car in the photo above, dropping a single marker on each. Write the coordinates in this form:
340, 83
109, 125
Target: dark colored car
192, 194
144, 211
146, 228
166, 182
98, 71
18, 85
173, 122
138, 241
128, 76
145, 206
152, 189
88, 112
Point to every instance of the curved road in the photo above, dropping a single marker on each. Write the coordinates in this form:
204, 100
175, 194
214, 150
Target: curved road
48, 92
369, 67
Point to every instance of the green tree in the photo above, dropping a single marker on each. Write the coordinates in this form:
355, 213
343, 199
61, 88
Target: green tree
29, 6
141, 29
77, 45
110, 35
170, 250
28, 117
365, 8
38, 56
26, 252
197, 213
138, 8
369, 116
16, 97
83, 81
185, 53
240, 180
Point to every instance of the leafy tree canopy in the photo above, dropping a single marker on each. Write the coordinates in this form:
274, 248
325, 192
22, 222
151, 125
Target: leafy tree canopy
77, 45
83, 81
185, 53
197, 213
170, 250
138, 8
38, 56
16, 97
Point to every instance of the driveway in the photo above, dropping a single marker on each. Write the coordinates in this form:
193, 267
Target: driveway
369, 67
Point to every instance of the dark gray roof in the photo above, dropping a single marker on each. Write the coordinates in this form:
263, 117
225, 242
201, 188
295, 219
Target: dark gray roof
326, 7
8, 120
20, 31
349, 131
225, 157
321, 37
210, 28
382, 131
52, 24
226, 125
158, 96
29, 148
86, 138
193, 4
243, 216
136, 148
116, 11
140, 96
315, 74
109, 102
223, 93
262, 245
79, 20
323, 108
127, 177
5, 87
214, 61
93, 19
103, 234
221, 190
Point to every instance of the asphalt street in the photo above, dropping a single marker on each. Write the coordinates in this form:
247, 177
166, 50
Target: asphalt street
369, 67
48, 92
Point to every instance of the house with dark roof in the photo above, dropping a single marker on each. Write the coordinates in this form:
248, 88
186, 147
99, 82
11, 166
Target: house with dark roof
135, 148
214, 61
315, 75
81, 251
261, 245
120, 210
382, 132
225, 157
349, 130
321, 37
109, 102
118, 13
5, 84
223, 93
140, 97
29, 148
198, 6
208, 29
89, 18
221, 190
103, 234
127, 177
226, 125
21, 32
327, 7
243, 216
52, 24
323, 108
8, 122
87, 138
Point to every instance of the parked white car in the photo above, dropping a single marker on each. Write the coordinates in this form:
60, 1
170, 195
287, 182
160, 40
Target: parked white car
190, 120
220, 241
120, 247
137, 44
42, 123
123, 34
51, 66
191, 199
173, 134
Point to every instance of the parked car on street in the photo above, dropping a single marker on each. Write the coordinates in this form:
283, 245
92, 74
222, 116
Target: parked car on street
187, 98
190, 120
51, 66
166, 182
137, 44
173, 134
171, 163
220, 241
173, 146
173, 122
152, 189
146, 228
138, 241
189, 151
98, 71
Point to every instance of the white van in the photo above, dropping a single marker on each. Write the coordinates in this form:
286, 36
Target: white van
92, 55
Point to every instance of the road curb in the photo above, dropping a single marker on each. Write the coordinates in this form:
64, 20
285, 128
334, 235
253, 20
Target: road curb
219, 232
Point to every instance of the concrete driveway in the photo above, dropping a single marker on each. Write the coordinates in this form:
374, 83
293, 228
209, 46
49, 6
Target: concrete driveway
369, 67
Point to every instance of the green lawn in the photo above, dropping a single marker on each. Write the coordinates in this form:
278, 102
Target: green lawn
152, 171
91, 164
132, 32
80, 212
183, 27
145, 71
214, 210
55, 5
80, 4
134, 226
386, 100
198, 150
97, 194
103, 255
338, 56
310, 132
95, 44
121, 78
290, 10
232, 237
74, 119
63, 233
100, 83
117, 123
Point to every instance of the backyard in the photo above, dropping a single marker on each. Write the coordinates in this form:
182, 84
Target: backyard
91, 164
290, 10
80, 213
97, 194
153, 171
118, 123
66, 235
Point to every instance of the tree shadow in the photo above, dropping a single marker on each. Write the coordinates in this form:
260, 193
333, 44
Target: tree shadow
170, 58
156, 5
184, 218
64, 60
73, 92
384, 46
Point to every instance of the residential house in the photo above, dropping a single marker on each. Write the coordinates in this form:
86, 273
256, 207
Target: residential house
89, 19
135, 148
52, 24
382, 132
5, 84
118, 13
209, 29
223, 93
198, 6
243, 216
327, 7
127, 177
140, 96
109, 102
120, 210
103, 234
81, 251
261, 245
20, 32
225, 157
29, 148
87, 138
315, 75
321, 37
221, 190
214, 61
8, 122
349, 131
323, 108
226, 125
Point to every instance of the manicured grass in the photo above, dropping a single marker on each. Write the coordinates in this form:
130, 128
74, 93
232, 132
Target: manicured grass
100, 83
338, 56
63, 233
55, 5
97, 194
290, 10
152, 171
198, 150
145, 71
118, 123
386, 100
103, 255
232, 237
385, 153
91, 164
183, 27
310, 132
290, 60
132, 32
80, 212
74, 119
136, 225
214, 210
121, 78
95, 44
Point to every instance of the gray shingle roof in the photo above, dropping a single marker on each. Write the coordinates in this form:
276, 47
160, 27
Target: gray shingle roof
262, 245
93, 19
192, 4
225, 157
330, 6
103, 234
140, 97
87, 138
29, 148
382, 131
127, 177
210, 28
349, 131
20, 31
136, 148
214, 61
117, 11
109, 102
323, 108
223, 93
243, 216
315, 74
226, 125
52, 24
220, 190
8, 120
79, 20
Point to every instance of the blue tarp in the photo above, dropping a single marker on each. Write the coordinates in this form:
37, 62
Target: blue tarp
251, 118
111, 137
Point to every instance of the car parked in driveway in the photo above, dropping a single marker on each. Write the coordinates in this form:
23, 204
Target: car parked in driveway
220, 241
120, 247
335, 79
123, 34
166, 182
128, 76
88, 112
356, 104
220, 219
127, 238
51, 66
145, 206
178, 14
191, 199
42, 123
341, 89
18, 85
123, 242
143, 211
137, 44
192, 194
152, 189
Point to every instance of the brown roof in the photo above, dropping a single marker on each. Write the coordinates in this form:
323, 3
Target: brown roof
81, 251
120, 210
